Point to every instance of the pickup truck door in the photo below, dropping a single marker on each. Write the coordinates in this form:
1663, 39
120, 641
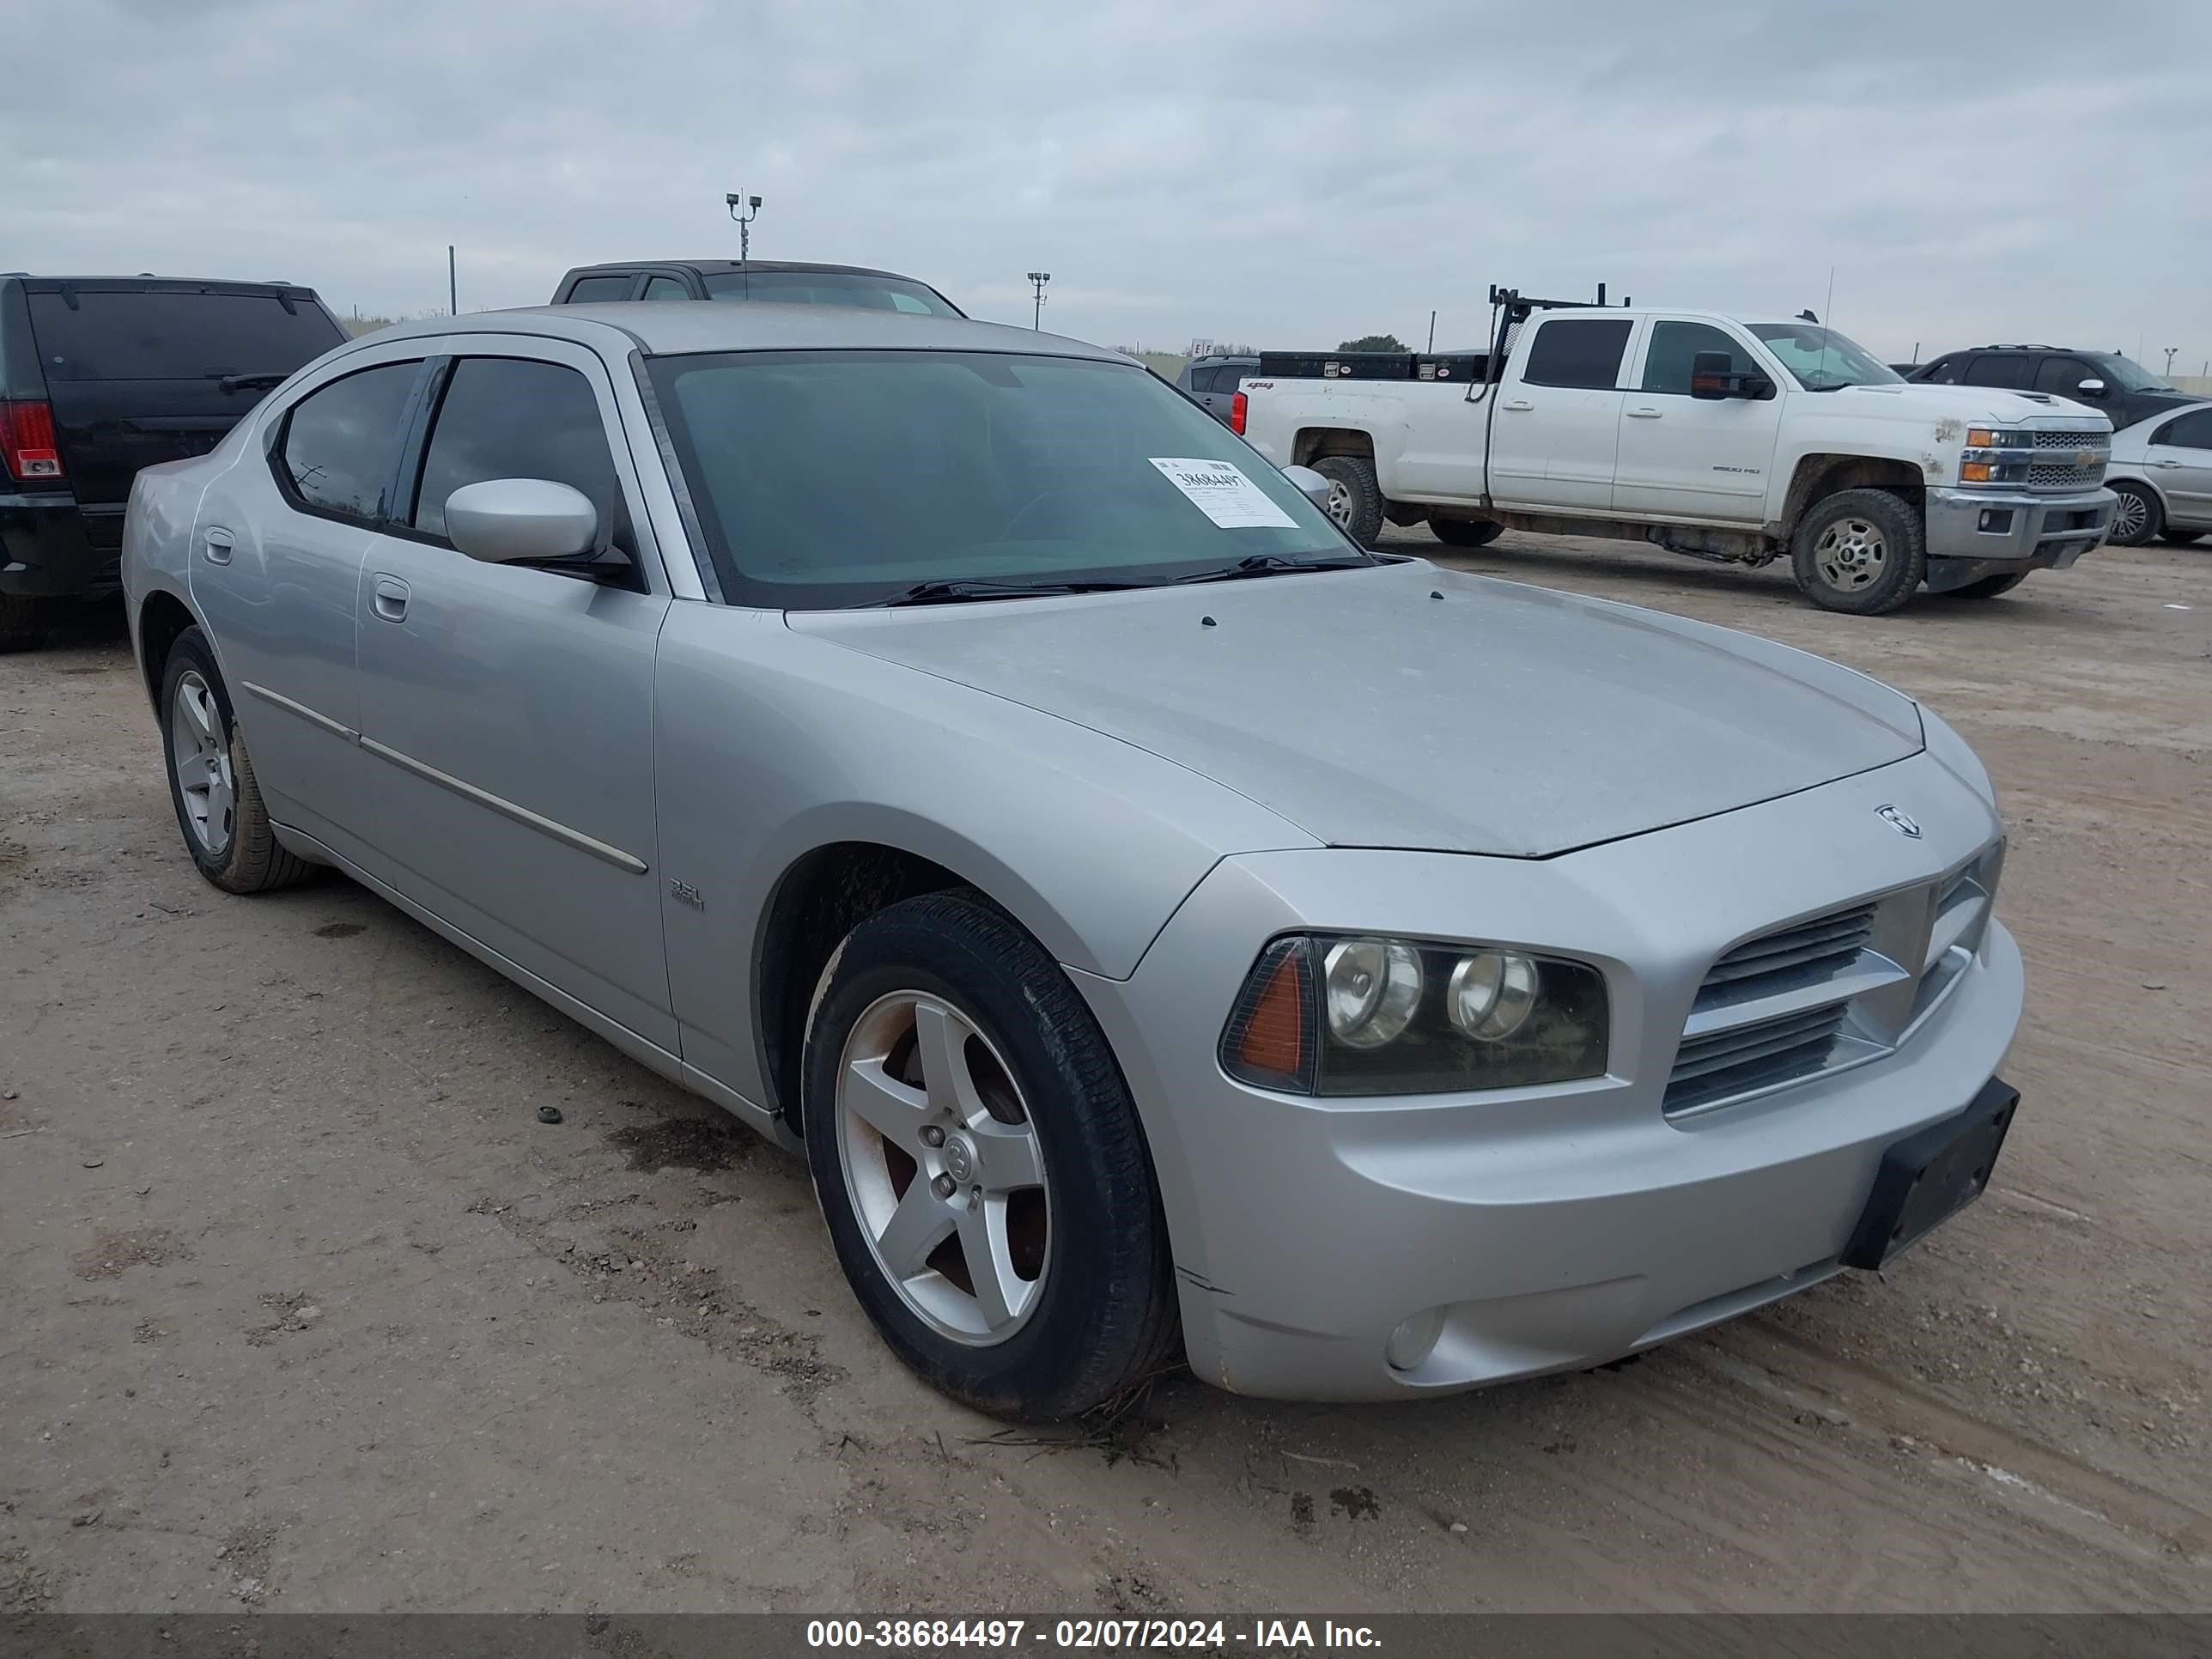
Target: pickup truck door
1684, 458
1555, 433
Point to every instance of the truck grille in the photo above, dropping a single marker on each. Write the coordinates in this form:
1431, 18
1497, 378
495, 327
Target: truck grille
1838, 988
2067, 438
2051, 476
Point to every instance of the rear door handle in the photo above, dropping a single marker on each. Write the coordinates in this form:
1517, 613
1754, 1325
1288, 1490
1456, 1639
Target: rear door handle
1519, 406
2161, 463
1645, 414
390, 598
216, 541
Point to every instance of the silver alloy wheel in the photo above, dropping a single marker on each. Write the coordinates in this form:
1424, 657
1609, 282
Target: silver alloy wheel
1850, 555
943, 1168
2130, 516
1339, 503
203, 762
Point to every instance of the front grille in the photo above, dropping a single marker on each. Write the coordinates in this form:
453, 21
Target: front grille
2050, 475
1847, 985
2065, 438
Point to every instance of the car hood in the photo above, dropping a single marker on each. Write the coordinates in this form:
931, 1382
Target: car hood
1965, 404
1412, 707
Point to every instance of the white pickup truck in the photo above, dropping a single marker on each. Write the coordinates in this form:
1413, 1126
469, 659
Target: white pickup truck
1737, 441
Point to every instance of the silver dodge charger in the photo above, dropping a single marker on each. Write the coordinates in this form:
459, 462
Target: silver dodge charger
1168, 931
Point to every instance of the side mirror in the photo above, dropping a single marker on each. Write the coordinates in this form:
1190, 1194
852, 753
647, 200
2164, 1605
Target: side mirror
1311, 484
521, 520
1712, 375
2091, 388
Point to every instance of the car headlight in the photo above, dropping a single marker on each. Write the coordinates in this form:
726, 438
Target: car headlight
1357, 1014
1994, 455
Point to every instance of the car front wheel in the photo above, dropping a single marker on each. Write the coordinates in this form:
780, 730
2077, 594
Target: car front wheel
2137, 517
980, 1167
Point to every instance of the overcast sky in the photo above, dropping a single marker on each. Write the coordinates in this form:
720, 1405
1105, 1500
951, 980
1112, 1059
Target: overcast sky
1287, 172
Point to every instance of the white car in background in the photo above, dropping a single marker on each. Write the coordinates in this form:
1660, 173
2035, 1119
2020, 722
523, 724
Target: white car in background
2161, 471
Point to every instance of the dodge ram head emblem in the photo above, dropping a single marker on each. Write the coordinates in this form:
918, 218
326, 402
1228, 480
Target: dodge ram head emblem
1897, 821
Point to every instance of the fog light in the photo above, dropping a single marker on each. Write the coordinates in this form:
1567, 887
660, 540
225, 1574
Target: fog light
1996, 520
1414, 1339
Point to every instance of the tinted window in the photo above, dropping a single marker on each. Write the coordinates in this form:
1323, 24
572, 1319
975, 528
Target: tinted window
175, 336
1993, 368
666, 288
842, 477
828, 287
342, 443
1674, 346
1222, 377
1947, 371
2190, 432
506, 417
1579, 352
2064, 375
588, 288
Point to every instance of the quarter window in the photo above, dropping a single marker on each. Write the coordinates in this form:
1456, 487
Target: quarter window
511, 417
666, 288
342, 441
1990, 369
2193, 431
1578, 351
590, 288
1674, 347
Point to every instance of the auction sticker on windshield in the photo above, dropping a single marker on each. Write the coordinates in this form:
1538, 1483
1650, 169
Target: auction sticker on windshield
1222, 493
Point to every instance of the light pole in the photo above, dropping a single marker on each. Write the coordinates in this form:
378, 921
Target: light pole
750, 207
2172, 352
1037, 280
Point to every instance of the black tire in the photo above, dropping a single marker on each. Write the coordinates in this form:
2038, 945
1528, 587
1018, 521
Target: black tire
2181, 538
1356, 503
1104, 1320
21, 622
241, 855
2141, 516
1866, 522
1464, 532
1988, 587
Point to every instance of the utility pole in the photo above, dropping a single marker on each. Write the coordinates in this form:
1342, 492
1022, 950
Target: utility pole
1037, 280
743, 209
2172, 352
453, 284
1432, 330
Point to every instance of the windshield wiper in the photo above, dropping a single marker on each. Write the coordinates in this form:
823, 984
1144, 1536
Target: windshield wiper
1269, 564
948, 592
242, 382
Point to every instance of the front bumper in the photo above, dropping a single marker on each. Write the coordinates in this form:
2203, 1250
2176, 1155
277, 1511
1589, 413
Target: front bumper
46, 552
1560, 1227
1972, 533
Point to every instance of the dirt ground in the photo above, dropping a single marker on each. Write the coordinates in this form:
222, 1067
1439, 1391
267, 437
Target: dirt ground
303, 1309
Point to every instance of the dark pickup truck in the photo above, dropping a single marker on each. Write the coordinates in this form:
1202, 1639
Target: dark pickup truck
102, 375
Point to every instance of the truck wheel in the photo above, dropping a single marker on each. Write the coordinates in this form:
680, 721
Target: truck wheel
211, 782
980, 1164
1988, 587
1355, 497
1464, 532
1860, 551
19, 625
2138, 519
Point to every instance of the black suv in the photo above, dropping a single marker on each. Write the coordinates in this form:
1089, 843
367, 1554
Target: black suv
755, 279
102, 375
2126, 391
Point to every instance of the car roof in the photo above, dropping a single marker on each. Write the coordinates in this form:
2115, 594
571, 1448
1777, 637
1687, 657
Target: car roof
145, 282
740, 265
679, 327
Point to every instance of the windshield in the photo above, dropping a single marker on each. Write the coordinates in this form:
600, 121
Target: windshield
1821, 358
830, 288
2126, 375
826, 478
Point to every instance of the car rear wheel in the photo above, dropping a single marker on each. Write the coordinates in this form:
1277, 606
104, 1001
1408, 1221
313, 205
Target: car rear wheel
1988, 587
212, 783
1464, 532
2138, 517
980, 1164
1355, 497
1860, 551
2181, 538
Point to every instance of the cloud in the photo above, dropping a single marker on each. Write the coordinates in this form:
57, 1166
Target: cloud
1292, 172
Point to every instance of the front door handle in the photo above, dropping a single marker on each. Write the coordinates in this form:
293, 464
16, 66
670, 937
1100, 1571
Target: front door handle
390, 598
215, 542
1645, 414
1519, 406
2162, 463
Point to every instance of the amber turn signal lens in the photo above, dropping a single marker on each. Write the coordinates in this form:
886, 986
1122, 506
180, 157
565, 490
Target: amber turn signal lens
1974, 472
1274, 1037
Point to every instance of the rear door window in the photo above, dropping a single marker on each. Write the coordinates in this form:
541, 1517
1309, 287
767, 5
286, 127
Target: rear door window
666, 288
2006, 369
513, 418
1578, 351
121, 335
2190, 432
342, 440
590, 288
